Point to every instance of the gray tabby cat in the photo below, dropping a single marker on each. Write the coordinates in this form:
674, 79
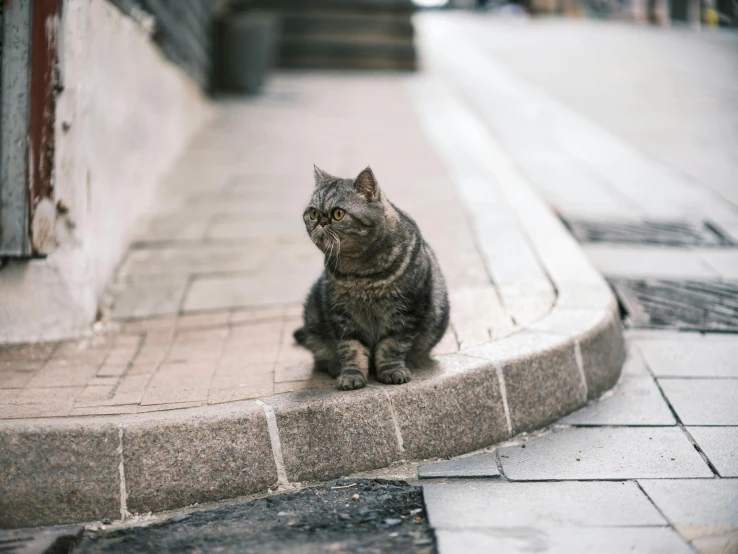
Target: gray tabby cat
381, 302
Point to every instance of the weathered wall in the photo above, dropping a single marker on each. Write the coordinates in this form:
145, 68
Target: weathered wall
123, 116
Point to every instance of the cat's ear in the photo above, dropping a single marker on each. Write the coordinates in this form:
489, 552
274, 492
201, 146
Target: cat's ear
320, 175
367, 185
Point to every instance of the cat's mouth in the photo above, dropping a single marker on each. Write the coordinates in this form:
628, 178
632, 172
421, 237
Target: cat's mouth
326, 240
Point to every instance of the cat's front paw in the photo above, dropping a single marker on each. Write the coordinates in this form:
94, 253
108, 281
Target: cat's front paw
394, 376
351, 381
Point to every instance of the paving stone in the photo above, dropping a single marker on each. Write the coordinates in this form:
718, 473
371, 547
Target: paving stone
41, 402
562, 540
33, 352
183, 382
703, 401
191, 259
238, 291
720, 445
646, 262
265, 227
635, 400
216, 319
477, 315
690, 355
63, 372
36, 486
480, 465
703, 511
171, 228
230, 383
494, 504
14, 378
725, 262
173, 461
634, 363
150, 299
695, 502
448, 344
604, 453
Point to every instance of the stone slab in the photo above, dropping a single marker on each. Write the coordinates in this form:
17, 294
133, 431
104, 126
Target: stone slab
36, 485
634, 363
480, 465
703, 401
200, 258
174, 461
239, 291
695, 502
562, 540
635, 400
604, 453
150, 299
489, 504
725, 262
645, 262
690, 355
720, 445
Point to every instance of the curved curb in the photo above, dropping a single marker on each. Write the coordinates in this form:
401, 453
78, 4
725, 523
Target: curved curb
93, 468
61, 471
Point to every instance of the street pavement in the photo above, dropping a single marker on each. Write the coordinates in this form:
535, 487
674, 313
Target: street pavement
609, 122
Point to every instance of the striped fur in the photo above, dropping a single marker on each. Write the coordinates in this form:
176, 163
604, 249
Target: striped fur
381, 303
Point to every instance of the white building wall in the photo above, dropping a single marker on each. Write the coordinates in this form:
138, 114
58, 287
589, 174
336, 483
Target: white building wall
123, 116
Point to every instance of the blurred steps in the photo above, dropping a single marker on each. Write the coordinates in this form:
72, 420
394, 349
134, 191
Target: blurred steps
342, 34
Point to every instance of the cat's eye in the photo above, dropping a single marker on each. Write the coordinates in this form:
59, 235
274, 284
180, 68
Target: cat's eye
338, 214
314, 214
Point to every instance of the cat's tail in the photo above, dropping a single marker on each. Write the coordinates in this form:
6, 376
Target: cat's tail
300, 336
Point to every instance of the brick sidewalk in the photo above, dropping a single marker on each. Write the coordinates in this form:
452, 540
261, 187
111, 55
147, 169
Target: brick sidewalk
210, 291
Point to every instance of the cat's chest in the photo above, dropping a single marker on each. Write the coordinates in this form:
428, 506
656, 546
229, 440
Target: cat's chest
373, 314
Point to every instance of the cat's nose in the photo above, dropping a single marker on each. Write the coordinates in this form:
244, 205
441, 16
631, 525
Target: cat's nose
324, 221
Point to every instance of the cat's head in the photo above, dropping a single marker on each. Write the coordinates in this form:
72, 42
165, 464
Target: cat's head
345, 213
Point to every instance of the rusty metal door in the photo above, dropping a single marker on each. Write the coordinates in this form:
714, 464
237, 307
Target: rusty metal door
28, 88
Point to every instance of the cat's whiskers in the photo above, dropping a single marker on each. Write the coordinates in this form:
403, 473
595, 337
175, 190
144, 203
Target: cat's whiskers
328, 256
337, 241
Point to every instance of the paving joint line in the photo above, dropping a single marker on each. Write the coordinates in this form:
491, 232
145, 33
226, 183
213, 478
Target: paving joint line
686, 433
271, 419
124, 513
503, 392
112, 392
580, 366
395, 422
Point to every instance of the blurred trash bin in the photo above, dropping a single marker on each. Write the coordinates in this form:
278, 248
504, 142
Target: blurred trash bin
679, 11
245, 51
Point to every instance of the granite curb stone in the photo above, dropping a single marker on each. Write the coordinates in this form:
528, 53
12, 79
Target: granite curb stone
36, 485
325, 435
176, 461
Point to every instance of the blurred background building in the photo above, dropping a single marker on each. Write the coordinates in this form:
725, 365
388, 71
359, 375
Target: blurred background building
98, 98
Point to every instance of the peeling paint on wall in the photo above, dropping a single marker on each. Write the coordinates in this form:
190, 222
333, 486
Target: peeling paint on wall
45, 24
